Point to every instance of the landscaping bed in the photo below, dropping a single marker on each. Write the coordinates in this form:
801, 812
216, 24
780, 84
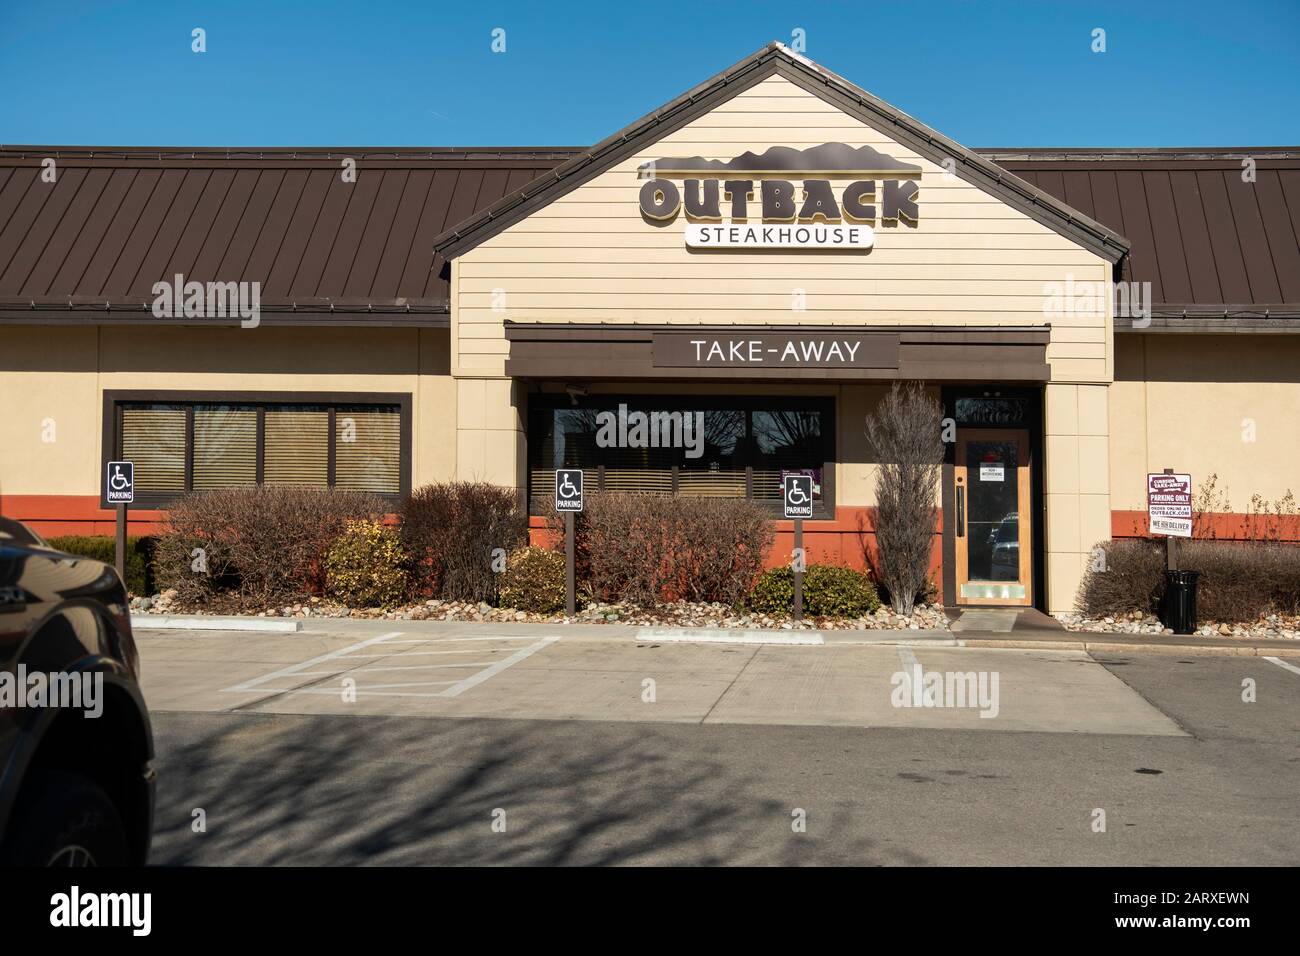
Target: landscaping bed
1246, 589
1270, 626
460, 552
675, 614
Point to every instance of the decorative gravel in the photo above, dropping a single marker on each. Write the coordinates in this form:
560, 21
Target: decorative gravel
679, 614
1282, 626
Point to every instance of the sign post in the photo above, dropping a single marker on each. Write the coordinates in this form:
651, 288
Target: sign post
797, 499
119, 490
568, 501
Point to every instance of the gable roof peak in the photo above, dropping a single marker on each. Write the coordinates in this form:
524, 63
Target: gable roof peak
772, 59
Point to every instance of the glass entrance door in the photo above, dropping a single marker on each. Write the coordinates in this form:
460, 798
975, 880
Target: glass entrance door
993, 533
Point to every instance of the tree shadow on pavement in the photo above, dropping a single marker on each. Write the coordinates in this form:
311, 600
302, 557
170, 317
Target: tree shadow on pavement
351, 790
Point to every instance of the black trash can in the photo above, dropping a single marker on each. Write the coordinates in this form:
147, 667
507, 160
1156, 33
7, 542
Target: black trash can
1178, 610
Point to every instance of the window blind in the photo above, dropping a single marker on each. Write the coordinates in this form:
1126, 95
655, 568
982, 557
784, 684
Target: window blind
367, 450
153, 436
225, 446
297, 446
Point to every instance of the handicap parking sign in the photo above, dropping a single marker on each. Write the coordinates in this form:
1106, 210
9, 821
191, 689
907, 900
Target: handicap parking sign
568, 489
798, 495
120, 484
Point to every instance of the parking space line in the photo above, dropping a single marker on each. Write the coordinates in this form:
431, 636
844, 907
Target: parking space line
476, 679
294, 670
370, 688
351, 664
1285, 665
407, 667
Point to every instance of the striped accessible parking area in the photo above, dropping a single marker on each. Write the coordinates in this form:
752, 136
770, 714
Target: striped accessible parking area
394, 665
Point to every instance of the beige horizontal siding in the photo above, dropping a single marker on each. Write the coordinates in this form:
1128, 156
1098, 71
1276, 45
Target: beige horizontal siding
590, 257
751, 286
492, 262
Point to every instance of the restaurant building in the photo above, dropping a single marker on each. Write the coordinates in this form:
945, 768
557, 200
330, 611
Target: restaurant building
765, 254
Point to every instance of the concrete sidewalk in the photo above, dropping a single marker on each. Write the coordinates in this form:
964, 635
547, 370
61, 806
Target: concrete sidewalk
420, 669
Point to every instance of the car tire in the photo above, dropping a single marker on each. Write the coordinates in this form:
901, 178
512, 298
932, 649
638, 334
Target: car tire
65, 820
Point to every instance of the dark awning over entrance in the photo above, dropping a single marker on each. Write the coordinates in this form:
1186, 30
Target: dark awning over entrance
775, 353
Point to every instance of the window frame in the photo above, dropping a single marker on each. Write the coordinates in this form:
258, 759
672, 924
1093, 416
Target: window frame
114, 399
824, 510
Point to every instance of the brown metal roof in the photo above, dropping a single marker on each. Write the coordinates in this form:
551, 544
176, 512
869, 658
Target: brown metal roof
117, 220
90, 246
1207, 240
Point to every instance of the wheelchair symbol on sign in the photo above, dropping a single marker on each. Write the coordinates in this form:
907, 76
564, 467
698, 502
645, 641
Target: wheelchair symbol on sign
118, 482
796, 494
567, 488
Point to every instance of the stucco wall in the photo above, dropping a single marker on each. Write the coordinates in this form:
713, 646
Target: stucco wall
52, 383
1206, 404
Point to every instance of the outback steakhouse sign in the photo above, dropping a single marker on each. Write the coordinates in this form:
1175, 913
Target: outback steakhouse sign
775, 350
765, 209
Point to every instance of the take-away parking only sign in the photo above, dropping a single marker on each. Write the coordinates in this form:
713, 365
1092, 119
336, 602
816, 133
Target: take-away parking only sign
1169, 504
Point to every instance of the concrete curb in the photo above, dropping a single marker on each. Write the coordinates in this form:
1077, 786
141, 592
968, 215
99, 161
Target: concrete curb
805, 638
202, 622
709, 635
1115, 647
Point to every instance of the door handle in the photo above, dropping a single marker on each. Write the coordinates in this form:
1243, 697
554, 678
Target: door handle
961, 511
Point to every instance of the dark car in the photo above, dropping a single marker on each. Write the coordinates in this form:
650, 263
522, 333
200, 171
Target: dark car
76, 782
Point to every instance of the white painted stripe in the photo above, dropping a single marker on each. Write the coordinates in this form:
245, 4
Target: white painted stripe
367, 692
451, 640
406, 654
498, 667
294, 669
1285, 665
371, 689
408, 667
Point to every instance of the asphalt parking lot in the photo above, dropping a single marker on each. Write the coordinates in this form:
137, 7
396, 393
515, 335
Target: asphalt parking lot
456, 745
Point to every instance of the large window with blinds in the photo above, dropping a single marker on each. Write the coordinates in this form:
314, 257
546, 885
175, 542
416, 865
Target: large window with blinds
183, 442
715, 446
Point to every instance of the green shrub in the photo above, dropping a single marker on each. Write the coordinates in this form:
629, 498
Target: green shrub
452, 530
1239, 580
139, 556
828, 591
366, 566
534, 581
252, 546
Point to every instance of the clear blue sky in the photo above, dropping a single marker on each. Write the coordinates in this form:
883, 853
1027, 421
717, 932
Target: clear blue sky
284, 72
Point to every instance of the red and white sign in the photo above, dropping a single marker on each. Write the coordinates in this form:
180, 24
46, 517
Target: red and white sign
1169, 505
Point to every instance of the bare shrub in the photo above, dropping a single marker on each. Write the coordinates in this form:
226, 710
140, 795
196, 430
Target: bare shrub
1239, 580
643, 549
715, 547
1208, 501
255, 545
904, 432
1129, 577
452, 531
